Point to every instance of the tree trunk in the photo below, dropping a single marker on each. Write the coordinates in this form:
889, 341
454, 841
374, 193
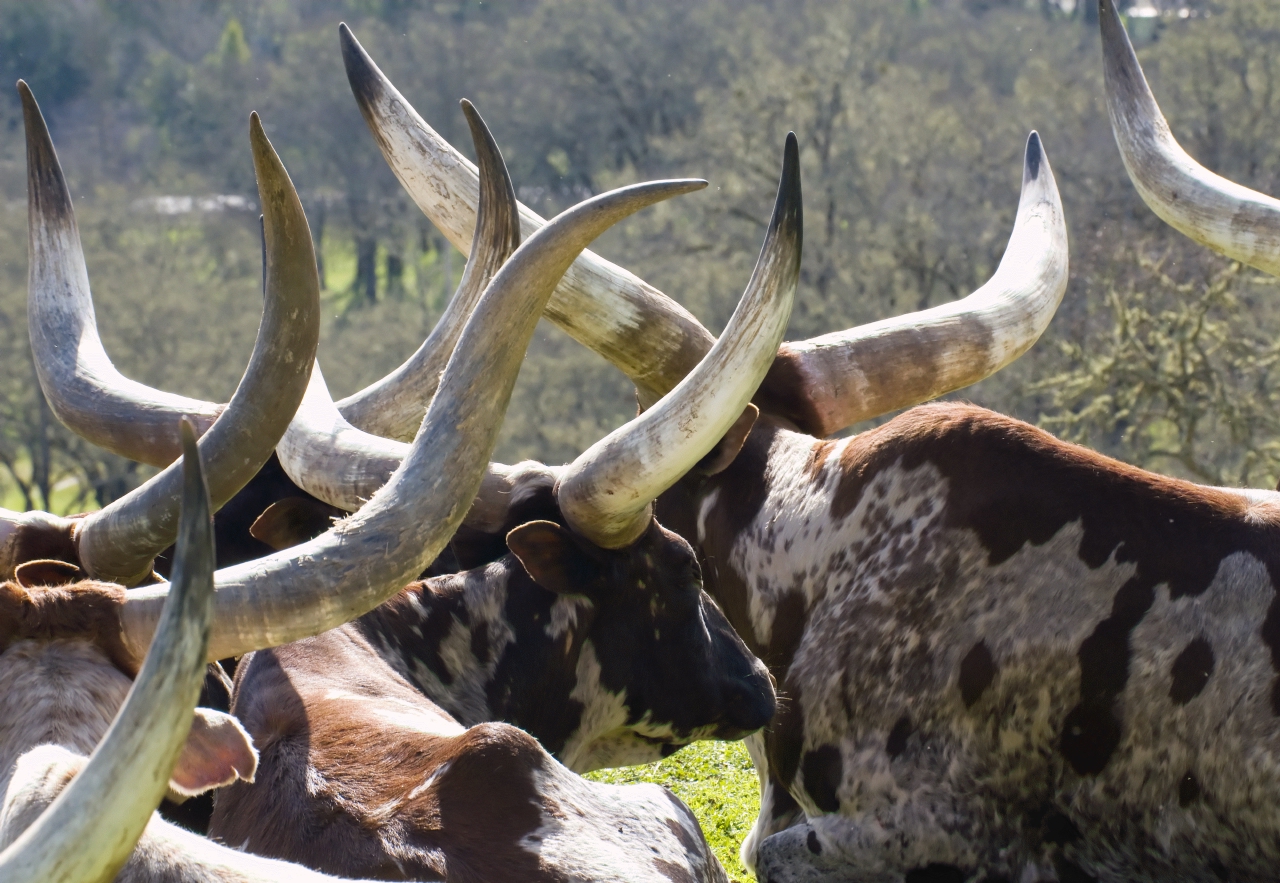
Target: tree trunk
366, 281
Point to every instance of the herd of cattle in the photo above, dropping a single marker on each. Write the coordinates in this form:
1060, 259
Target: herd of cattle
958, 648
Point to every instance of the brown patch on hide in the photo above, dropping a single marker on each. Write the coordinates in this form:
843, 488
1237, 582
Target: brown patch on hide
897, 741
784, 394
1188, 790
673, 872
977, 671
813, 469
823, 770
936, 873
87, 611
1191, 671
360, 775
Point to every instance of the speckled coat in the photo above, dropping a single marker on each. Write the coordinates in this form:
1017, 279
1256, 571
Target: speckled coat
999, 656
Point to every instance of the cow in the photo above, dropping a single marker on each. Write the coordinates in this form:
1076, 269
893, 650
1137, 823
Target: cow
362, 560
63, 674
999, 656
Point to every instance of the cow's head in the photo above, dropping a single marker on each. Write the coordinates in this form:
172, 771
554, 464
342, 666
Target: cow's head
657, 664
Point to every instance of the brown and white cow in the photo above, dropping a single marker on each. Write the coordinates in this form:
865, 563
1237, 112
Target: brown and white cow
1000, 656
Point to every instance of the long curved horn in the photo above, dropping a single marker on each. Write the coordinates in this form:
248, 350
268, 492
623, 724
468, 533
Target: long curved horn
83, 387
119, 542
366, 558
88, 832
650, 337
880, 367
321, 451
393, 407
656, 342
1233, 220
606, 494
329, 458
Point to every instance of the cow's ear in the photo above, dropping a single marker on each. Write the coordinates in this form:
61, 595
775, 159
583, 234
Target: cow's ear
46, 572
217, 752
293, 520
726, 450
552, 556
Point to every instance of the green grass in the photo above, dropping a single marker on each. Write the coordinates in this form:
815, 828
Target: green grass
718, 782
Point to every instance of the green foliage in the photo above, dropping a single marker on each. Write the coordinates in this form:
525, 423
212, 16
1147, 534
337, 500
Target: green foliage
1186, 383
718, 782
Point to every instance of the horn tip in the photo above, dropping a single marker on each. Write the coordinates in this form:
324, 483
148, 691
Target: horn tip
1115, 39
187, 429
1034, 156
479, 131
47, 189
195, 497
362, 74
258, 138
787, 210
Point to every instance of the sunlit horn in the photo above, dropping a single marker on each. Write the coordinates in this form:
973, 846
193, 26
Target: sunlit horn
321, 451
83, 388
1233, 220
606, 494
656, 342
880, 367
648, 336
393, 407
119, 542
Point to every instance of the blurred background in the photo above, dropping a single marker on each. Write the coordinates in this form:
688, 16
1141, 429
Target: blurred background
911, 114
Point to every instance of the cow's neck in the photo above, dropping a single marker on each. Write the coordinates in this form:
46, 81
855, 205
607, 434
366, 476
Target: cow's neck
488, 645
750, 516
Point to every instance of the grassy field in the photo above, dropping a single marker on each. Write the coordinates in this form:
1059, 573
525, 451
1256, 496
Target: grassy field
718, 782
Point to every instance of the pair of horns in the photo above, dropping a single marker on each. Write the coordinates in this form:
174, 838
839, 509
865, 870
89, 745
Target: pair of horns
1232, 220
94, 400
364, 559
822, 385
605, 494
90, 829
